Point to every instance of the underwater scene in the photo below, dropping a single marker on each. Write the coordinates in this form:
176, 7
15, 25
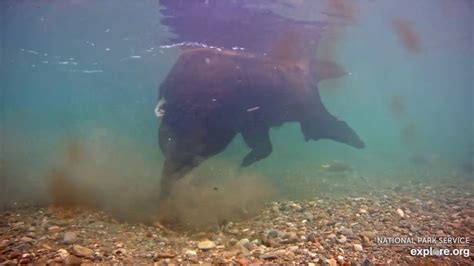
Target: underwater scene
241, 132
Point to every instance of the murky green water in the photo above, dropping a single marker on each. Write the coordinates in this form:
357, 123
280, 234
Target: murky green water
87, 73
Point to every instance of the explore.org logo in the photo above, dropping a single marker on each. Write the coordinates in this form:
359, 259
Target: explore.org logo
436, 246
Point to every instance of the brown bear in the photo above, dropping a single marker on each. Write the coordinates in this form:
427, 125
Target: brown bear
210, 95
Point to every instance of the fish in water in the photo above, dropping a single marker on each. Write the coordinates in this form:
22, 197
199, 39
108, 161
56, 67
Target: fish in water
211, 95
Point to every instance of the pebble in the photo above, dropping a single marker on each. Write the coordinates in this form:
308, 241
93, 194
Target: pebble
346, 231
165, 255
358, 247
368, 234
269, 256
14, 255
332, 262
272, 234
244, 242
362, 211
27, 239
342, 239
190, 253
312, 237
72, 260
54, 229
400, 212
69, 238
308, 216
206, 244
81, 251
62, 253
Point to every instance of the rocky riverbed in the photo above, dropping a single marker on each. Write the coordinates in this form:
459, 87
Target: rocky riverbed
329, 230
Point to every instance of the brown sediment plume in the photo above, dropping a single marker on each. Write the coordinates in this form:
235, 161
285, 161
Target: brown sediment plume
214, 197
65, 190
74, 153
407, 34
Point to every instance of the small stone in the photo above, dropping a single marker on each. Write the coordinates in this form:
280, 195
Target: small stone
255, 242
232, 242
62, 253
400, 212
25, 260
342, 239
54, 229
269, 256
72, 260
366, 241
367, 262
69, 238
272, 234
244, 242
369, 234
243, 261
293, 248
332, 262
121, 251
165, 255
362, 211
340, 259
312, 237
14, 255
308, 216
346, 231
358, 247
81, 251
190, 253
27, 239
206, 244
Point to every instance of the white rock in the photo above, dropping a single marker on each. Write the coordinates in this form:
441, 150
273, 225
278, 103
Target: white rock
62, 253
206, 244
190, 253
54, 229
400, 212
244, 242
358, 247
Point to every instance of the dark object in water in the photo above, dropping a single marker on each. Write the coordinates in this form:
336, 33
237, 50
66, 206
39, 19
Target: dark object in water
234, 24
209, 96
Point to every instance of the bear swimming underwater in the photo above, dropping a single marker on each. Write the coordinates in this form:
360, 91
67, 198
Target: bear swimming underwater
211, 95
